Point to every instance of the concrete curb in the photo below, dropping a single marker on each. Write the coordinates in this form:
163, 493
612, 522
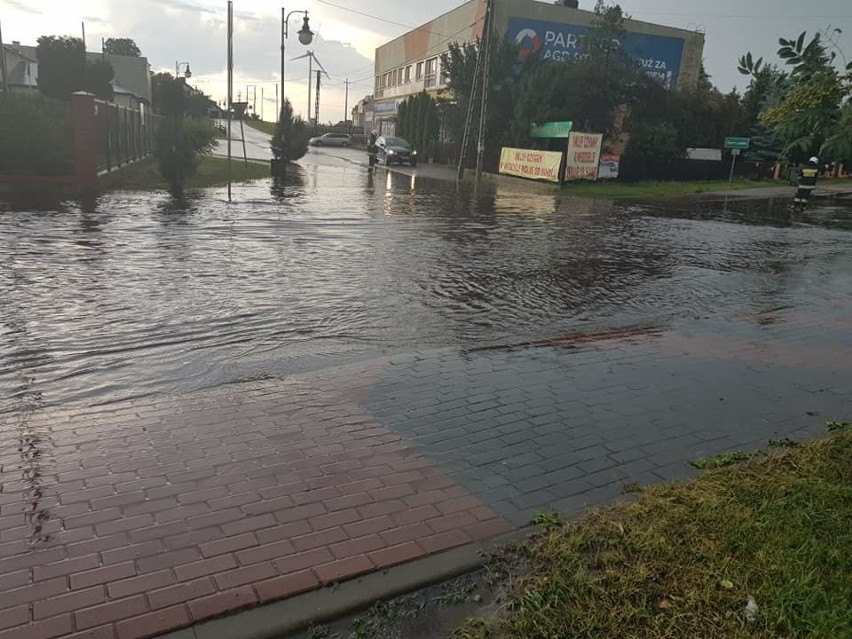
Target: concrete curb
280, 618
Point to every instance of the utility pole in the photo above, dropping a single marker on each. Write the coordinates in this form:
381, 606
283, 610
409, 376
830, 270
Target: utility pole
230, 84
468, 123
83, 30
483, 109
310, 77
316, 107
283, 39
346, 107
3, 62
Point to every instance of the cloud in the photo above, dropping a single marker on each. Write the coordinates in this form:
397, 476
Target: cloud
17, 5
198, 35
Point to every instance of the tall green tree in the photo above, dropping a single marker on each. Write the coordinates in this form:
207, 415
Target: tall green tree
122, 46
808, 112
460, 66
63, 70
61, 66
99, 77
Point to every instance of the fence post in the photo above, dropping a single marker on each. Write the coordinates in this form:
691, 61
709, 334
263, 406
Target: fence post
85, 136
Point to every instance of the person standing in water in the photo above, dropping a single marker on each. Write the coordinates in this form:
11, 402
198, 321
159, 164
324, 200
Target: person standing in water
372, 151
807, 182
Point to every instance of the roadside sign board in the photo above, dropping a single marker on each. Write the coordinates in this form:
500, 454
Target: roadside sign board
528, 163
551, 130
584, 154
737, 143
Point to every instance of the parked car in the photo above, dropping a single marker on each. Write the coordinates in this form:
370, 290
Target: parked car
331, 139
395, 151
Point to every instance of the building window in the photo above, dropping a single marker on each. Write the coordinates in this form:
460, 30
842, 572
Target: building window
408, 74
444, 75
419, 75
431, 78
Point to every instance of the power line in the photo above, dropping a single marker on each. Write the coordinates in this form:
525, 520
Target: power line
366, 15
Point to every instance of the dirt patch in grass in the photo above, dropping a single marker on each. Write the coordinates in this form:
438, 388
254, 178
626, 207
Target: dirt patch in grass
760, 550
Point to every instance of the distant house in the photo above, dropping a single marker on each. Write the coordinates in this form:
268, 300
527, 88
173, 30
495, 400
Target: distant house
362, 114
131, 84
21, 67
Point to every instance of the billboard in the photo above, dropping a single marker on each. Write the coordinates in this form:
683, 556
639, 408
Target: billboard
536, 165
658, 56
385, 107
584, 154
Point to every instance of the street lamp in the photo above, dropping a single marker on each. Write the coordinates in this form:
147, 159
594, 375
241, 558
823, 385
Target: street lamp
306, 36
187, 74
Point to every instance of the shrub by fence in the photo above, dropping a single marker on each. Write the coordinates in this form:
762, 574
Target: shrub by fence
35, 135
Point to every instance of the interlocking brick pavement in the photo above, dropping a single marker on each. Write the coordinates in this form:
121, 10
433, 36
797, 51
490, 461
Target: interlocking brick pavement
143, 517
149, 516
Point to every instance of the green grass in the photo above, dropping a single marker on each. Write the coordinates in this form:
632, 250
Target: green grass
260, 125
684, 560
660, 189
720, 461
212, 172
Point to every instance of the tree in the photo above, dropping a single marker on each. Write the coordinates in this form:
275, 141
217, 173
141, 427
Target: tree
290, 141
61, 66
167, 95
806, 109
181, 143
62, 69
460, 66
122, 46
99, 77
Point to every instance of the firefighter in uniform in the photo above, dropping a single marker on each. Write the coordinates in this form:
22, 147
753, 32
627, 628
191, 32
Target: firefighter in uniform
807, 181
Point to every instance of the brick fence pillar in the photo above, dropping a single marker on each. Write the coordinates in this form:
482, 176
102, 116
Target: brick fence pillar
85, 139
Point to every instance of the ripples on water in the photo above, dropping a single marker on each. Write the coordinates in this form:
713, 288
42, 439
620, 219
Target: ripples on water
126, 295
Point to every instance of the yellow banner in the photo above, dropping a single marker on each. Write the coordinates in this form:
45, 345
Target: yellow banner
536, 165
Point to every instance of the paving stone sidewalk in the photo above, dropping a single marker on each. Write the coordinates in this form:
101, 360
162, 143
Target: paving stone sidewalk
148, 516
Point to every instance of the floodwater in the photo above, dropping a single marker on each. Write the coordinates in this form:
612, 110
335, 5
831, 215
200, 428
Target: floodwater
128, 294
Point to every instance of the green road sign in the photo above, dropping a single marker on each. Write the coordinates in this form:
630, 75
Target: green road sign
737, 143
551, 130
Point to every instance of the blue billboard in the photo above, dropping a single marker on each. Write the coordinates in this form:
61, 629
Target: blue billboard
658, 56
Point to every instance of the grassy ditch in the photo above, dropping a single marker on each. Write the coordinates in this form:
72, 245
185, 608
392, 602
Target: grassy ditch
760, 549
660, 189
212, 172
260, 125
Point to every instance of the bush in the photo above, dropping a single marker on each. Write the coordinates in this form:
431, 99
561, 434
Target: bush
35, 136
290, 141
181, 142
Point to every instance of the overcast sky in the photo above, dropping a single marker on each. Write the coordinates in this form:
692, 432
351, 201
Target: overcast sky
194, 31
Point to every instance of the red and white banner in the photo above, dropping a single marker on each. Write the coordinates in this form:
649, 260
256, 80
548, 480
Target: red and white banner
584, 154
536, 165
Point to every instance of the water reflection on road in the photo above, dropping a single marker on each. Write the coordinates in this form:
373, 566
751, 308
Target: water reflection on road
127, 295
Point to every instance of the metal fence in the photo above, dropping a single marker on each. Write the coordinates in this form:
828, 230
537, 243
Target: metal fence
122, 134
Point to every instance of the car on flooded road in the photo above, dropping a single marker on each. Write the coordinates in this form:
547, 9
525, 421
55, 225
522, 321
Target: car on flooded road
331, 139
394, 150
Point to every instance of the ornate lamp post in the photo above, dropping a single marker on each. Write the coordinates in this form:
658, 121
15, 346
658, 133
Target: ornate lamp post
187, 74
306, 36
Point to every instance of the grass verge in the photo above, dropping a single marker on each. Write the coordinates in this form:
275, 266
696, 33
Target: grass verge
757, 550
260, 125
213, 171
661, 189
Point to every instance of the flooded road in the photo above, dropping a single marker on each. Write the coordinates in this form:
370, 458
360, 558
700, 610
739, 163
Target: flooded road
127, 295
